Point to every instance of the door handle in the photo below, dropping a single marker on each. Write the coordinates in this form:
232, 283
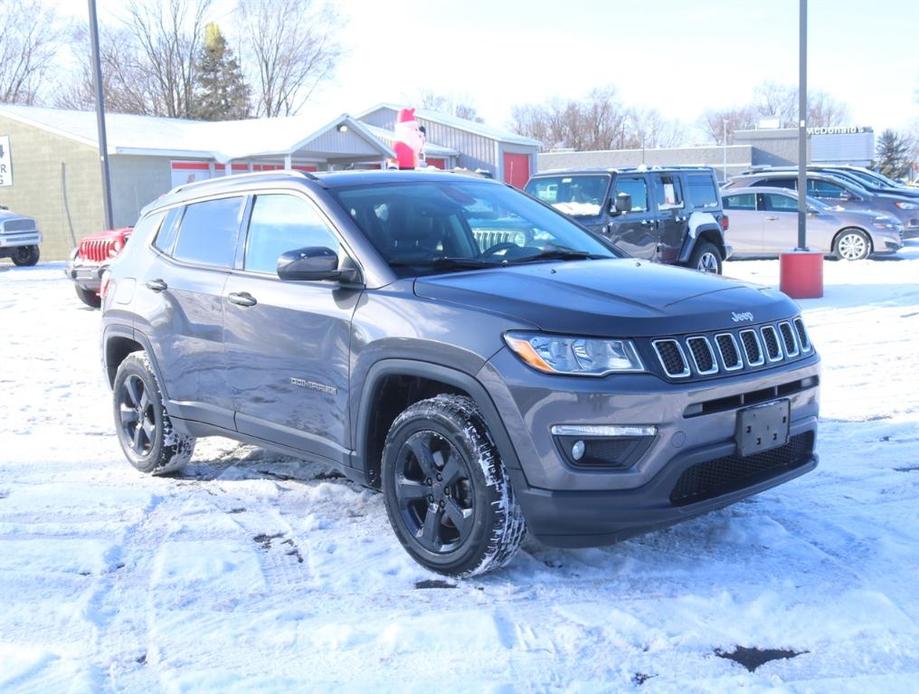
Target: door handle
156, 285
242, 299
772, 219
648, 222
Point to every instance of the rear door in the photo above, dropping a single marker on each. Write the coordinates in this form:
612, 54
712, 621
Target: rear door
288, 343
780, 222
671, 215
635, 232
181, 304
746, 231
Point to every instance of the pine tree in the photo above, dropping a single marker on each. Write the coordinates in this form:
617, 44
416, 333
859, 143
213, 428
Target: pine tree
222, 92
893, 155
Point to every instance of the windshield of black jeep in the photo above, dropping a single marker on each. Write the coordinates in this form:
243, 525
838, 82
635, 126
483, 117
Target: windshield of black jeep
582, 195
434, 226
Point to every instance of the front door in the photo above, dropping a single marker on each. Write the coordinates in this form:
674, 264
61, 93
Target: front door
780, 222
671, 215
635, 232
745, 233
288, 343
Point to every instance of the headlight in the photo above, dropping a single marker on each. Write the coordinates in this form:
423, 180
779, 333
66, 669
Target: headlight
583, 356
907, 205
888, 223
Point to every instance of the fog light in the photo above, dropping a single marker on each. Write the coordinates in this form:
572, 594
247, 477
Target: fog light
577, 450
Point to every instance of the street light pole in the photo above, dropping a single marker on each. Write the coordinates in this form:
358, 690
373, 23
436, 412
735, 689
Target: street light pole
724, 148
802, 126
100, 115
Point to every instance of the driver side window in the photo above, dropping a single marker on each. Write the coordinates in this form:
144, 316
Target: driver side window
282, 223
637, 188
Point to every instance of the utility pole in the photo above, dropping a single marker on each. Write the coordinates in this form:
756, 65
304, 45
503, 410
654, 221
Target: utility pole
100, 115
724, 149
802, 126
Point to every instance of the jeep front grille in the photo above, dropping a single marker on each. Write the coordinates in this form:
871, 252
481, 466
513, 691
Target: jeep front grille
732, 351
672, 359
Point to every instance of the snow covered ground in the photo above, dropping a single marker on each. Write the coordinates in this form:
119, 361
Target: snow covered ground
253, 572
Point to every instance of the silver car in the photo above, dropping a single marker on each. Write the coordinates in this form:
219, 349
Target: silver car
764, 222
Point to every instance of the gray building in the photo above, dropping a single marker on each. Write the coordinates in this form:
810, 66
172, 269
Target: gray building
55, 174
762, 147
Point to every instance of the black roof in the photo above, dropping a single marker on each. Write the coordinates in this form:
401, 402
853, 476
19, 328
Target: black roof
623, 169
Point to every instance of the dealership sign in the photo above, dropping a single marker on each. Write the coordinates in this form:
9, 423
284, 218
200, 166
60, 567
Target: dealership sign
6, 161
839, 130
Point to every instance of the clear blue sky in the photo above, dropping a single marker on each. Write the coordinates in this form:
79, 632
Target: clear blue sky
678, 56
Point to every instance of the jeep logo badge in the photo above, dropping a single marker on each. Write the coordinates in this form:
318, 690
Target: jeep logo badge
739, 317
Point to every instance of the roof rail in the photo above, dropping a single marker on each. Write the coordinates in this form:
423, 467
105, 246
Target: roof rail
252, 174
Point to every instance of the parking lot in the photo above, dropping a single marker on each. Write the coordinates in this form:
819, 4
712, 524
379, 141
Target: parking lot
252, 571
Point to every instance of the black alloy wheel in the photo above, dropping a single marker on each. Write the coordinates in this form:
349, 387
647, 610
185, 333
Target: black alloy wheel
137, 416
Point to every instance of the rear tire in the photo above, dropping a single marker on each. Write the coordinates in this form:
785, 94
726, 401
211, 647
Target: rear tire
706, 258
447, 494
145, 432
852, 244
25, 256
88, 297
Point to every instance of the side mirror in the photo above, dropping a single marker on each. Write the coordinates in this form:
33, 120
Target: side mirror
622, 204
313, 264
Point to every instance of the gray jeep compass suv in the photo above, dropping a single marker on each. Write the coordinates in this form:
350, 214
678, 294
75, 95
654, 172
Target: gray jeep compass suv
371, 320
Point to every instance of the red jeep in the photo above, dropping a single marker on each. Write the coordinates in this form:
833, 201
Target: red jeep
92, 258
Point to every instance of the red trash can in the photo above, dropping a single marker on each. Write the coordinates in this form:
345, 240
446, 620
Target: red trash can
801, 274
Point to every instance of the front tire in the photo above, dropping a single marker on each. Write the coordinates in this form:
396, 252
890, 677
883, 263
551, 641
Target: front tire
852, 244
145, 432
706, 258
90, 298
446, 490
25, 256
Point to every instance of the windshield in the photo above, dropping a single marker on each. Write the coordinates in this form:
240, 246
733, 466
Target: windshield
439, 226
579, 196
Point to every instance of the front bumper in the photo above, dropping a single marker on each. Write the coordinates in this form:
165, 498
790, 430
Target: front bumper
87, 276
576, 506
15, 239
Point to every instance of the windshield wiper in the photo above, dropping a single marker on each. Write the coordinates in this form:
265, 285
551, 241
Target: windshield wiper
559, 253
444, 263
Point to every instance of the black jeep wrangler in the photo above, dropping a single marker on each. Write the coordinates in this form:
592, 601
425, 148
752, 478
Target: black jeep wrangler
669, 215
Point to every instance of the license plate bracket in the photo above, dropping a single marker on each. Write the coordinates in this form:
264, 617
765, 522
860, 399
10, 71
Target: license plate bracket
763, 427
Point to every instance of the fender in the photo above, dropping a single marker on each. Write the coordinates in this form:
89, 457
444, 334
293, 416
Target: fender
444, 374
698, 223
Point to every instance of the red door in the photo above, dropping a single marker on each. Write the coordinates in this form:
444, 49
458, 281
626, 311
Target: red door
516, 169
437, 163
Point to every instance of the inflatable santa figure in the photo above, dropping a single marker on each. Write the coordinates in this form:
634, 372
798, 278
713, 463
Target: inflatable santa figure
409, 139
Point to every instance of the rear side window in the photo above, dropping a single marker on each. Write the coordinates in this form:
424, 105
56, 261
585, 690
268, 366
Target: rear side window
207, 233
824, 189
744, 201
789, 183
669, 192
637, 188
702, 191
166, 237
282, 223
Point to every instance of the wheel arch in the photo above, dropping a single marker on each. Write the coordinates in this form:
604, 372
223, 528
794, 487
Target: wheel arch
705, 232
118, 342
392, 385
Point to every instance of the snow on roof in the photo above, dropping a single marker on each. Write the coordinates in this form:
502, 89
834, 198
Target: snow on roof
153, 135
461, 124
388, 136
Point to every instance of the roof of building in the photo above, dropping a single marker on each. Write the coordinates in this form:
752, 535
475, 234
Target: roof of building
219, 140
461, 124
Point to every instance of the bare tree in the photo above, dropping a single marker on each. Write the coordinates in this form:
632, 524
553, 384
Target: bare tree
290, 47
28, 42
721, 124
653, 130
168, 35
459, 106
781, 101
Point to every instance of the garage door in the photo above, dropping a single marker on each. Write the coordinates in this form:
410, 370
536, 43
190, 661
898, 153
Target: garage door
516, 169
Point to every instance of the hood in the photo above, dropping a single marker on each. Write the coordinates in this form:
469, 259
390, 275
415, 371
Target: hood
613, 298
6, 215
109, 234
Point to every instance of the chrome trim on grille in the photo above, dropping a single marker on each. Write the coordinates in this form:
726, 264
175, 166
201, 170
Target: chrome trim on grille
759, 346
778, 343
739, 363
686, 372
711, 352
794, 339
804, 340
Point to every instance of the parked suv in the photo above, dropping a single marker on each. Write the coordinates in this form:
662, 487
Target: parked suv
669, 215
19, 238
547, 383
89, 261
834, 190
